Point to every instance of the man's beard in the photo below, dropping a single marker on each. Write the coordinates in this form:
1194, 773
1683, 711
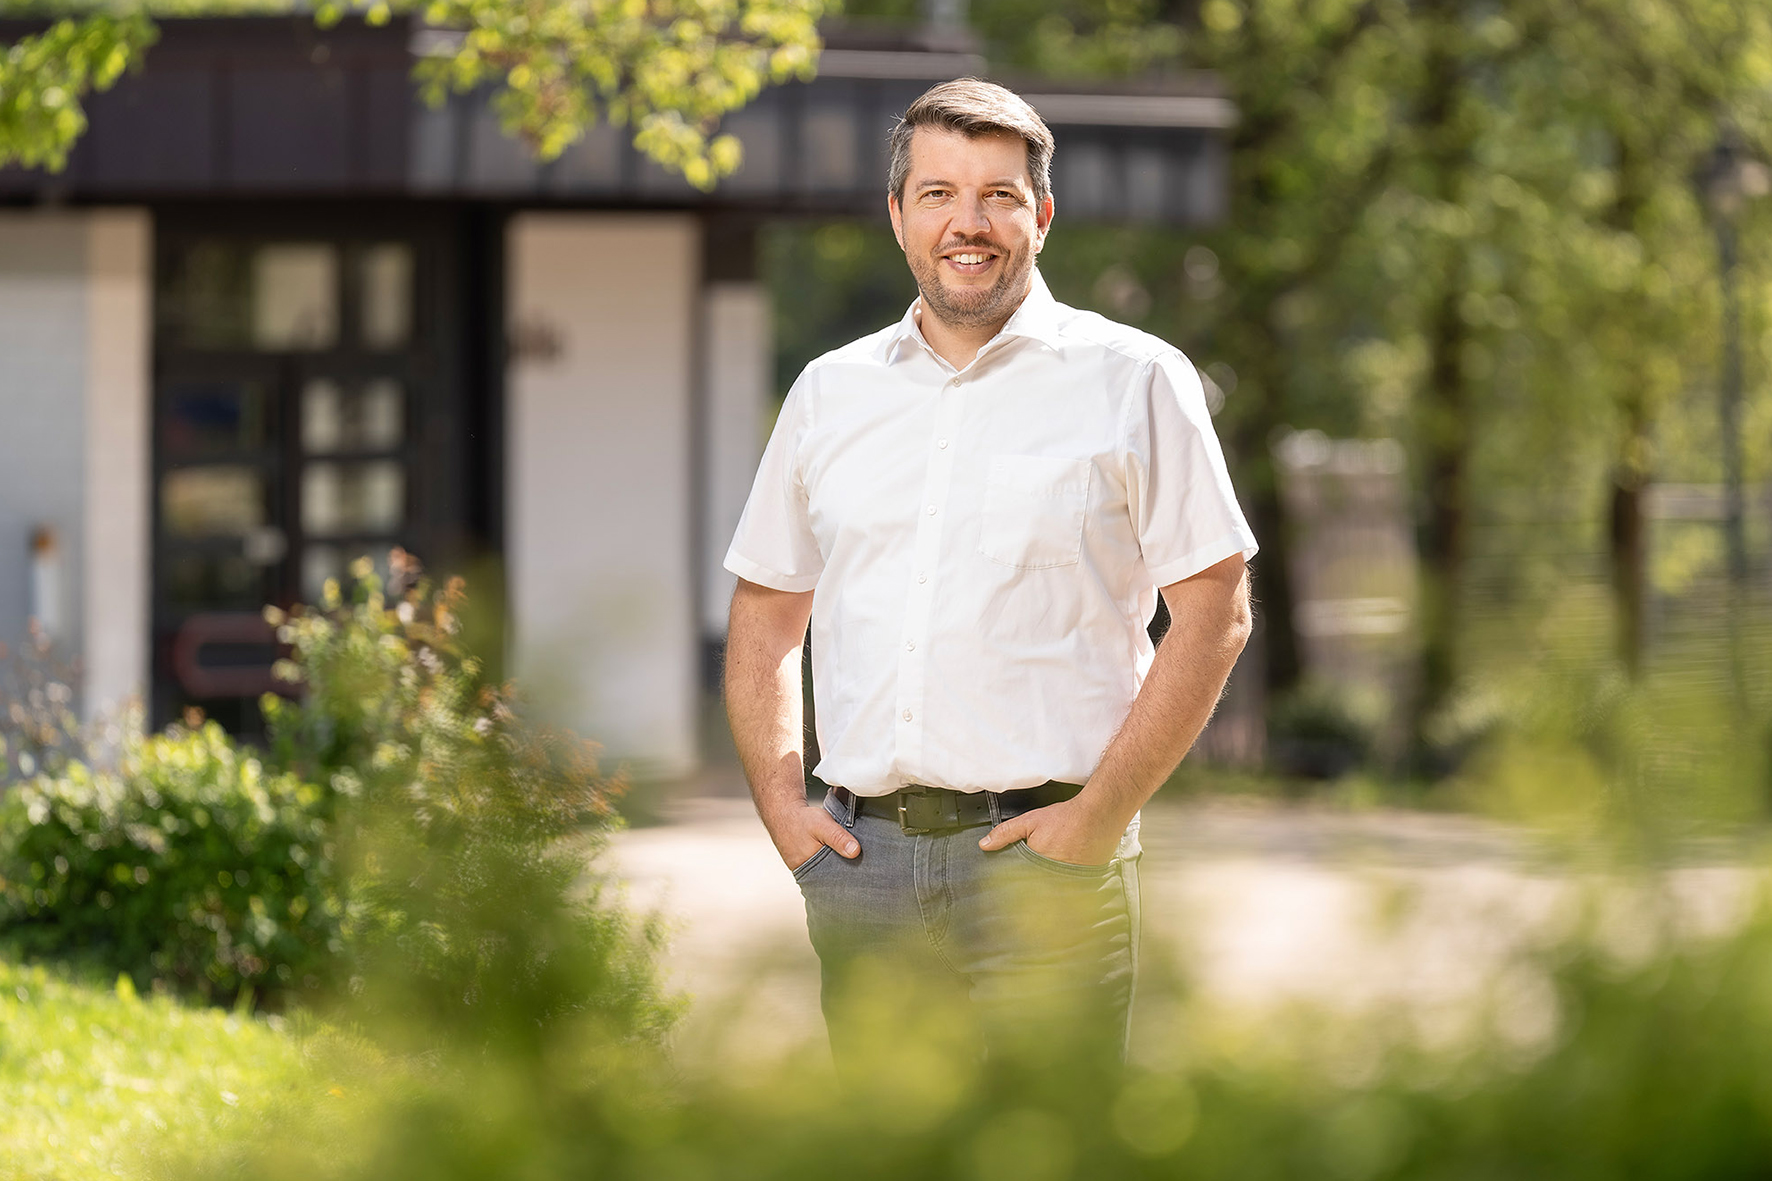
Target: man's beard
970, 307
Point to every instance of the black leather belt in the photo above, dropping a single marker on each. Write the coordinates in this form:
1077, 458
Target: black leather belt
920, 810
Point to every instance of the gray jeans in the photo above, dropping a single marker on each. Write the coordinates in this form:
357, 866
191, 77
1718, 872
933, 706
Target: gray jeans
1027, 957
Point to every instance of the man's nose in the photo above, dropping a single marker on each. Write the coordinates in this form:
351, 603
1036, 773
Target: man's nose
971, 218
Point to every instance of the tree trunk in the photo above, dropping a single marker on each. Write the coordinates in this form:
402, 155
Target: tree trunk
1445, 422
1629, 551
1627, 535
1444, 536
1270, 573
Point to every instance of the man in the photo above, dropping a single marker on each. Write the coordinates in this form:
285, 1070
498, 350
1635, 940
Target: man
976, 509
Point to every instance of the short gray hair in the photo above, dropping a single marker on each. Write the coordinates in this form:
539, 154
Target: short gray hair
973, 107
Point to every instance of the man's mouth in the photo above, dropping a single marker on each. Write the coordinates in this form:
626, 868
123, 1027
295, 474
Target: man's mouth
970, 261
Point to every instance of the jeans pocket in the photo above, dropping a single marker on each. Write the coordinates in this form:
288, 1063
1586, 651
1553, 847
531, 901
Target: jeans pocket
1065, 867
805, 867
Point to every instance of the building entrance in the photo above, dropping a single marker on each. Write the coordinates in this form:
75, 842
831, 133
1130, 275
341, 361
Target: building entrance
310, 407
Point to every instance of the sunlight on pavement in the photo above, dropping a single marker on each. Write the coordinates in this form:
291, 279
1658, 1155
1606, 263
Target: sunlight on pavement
1254, 905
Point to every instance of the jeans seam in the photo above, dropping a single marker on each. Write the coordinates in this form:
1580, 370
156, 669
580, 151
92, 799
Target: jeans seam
929, 932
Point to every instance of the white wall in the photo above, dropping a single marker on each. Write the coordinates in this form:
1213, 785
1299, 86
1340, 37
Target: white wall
42, 390
738, 363
74, 398
599, 529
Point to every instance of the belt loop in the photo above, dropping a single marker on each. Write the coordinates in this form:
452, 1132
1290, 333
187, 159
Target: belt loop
995, 803
846, 805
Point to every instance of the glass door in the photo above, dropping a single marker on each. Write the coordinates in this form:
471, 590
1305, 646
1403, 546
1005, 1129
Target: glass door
303, 392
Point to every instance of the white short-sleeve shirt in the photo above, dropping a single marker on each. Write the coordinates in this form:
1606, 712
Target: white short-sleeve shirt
986, 544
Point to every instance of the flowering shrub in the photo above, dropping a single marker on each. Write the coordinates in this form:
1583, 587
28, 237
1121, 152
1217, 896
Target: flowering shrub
466, 829
39, 732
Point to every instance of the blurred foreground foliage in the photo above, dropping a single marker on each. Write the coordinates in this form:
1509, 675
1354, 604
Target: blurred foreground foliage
1631, 1048
492, 1013
666, 69
408, 843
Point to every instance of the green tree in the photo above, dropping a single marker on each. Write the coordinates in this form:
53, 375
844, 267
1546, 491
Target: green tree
667, 69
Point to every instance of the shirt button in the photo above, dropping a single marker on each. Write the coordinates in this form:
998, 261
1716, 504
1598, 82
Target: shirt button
922, 578
942, 443
953, 383
907, 715
932, 510
910, 645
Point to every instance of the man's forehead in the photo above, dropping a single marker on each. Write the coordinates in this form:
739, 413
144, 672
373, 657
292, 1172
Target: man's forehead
942, 148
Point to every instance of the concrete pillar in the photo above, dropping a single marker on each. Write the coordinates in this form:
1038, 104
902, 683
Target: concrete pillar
600, 517
738, 375
116, 597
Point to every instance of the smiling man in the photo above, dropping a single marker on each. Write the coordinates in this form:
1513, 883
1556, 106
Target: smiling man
977, 508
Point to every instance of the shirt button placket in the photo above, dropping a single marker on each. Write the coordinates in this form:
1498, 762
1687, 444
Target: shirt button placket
913, 666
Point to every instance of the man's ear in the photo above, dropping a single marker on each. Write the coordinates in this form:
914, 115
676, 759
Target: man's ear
1043, 221
897, 216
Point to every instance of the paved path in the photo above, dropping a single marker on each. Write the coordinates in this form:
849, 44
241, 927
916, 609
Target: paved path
1255, 904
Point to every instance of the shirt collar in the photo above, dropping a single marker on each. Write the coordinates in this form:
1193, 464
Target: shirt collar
1036, 319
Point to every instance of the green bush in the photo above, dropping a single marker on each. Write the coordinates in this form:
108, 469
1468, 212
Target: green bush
406, 835
1319, 732
189, 865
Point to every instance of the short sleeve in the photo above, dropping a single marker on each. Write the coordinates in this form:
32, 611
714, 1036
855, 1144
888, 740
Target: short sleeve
1183, 507
774, 545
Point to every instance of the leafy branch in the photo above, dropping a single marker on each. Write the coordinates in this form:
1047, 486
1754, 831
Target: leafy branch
44, 77
668, 69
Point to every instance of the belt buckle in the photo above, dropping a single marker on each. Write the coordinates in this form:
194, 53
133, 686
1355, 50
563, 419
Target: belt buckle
907, 812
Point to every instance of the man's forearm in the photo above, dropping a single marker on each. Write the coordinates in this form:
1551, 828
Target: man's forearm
1209, 624
764, 697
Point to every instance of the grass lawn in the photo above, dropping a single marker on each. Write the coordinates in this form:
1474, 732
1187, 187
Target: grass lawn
96, 1081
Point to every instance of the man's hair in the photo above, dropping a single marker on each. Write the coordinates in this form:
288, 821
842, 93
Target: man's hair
973, 108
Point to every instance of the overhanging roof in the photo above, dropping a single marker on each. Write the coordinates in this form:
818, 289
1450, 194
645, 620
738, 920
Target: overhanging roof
255, 107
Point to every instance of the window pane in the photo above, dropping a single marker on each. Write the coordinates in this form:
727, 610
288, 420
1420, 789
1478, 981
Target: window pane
224, 294
386, 273
213, 582
223, 500
206, 299
295, 296
343, 498
381, 415
369, 418
321, 414
206, 417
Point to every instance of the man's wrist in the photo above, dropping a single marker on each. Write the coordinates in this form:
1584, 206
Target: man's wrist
779, 804
1107, 807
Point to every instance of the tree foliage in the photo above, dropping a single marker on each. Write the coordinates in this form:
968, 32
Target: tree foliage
666, 69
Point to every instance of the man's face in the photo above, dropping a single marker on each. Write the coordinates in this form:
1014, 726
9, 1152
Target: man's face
969, 224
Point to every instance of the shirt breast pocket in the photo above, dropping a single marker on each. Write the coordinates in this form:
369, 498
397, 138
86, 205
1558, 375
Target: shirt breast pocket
1033, 511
